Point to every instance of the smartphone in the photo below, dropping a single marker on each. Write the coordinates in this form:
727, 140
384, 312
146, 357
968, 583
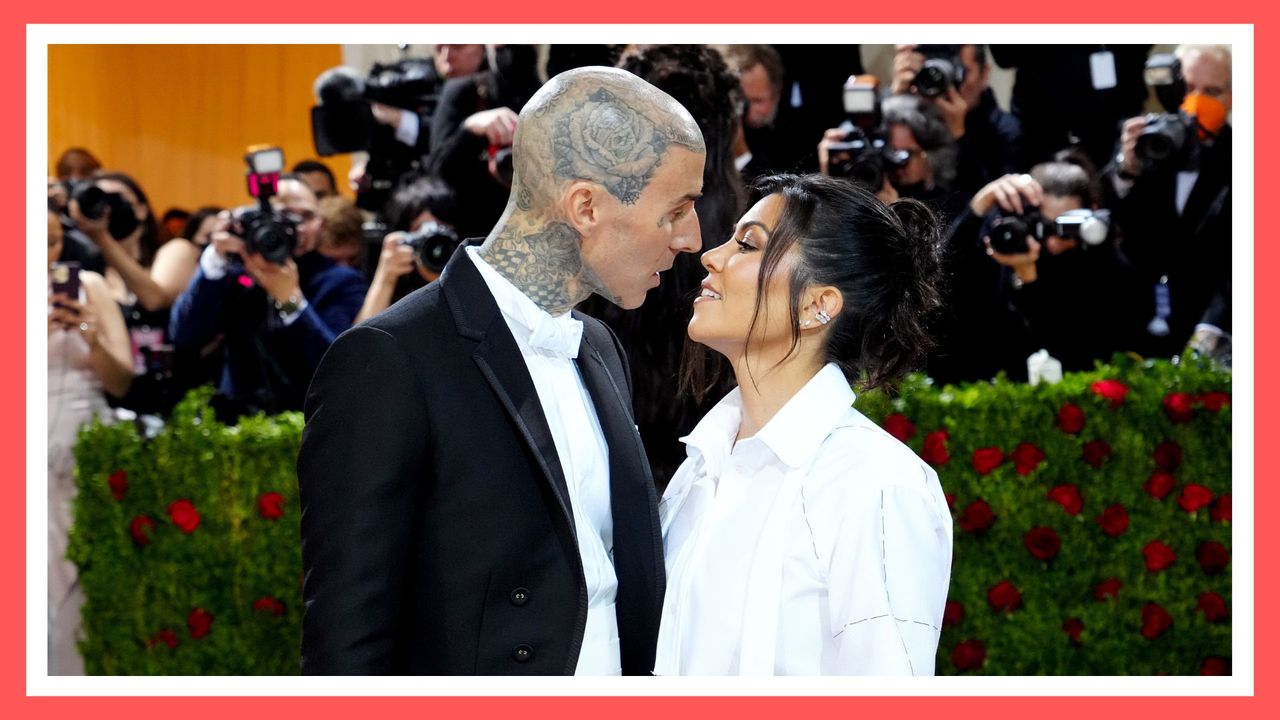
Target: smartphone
66, 279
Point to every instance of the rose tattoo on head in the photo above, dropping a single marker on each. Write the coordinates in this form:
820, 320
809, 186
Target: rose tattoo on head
608, 142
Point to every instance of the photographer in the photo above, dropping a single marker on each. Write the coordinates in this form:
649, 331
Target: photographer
410, 257
1172, 180
988, 139
278, 318
1077, 296
472, 131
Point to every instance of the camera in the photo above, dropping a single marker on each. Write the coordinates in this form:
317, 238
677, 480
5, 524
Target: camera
433, 244
1165, 137
1008, 233
265, 231
94, 202
864, 155
941, 70
343, 120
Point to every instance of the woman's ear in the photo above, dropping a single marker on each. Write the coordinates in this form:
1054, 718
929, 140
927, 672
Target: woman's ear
822, 302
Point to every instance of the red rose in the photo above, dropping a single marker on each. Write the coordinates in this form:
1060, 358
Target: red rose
900, 427
1213, 607
951, 501
140, 528
1114, 520
1108, 588
1096, 452
1159, 556
969, 655
1221, 511
987, 459
934, 451
1159, 485
1113, 391
165, 637
184, 515
977, 517
1068, 496
952, 613
1073, 627
1178, 407
1026, 457
1004, 597
1155, 620
1071, 419
198, 623
269, 605
1212, 556
271, 505
1214, 401
1194, 497
118, 481
1215, 665
1168, 455
1042, 543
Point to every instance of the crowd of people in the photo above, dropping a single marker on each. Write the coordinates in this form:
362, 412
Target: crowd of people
1075, 222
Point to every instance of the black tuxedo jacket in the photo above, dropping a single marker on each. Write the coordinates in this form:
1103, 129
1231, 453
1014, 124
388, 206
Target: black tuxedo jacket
437, 535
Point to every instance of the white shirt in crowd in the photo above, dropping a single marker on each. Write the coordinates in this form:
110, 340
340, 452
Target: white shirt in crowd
583, 453
820, 546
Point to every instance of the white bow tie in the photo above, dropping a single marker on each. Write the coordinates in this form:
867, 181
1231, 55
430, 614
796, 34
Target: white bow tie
557, 335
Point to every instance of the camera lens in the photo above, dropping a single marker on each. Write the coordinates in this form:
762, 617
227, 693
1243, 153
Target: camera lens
91, 198
934, 78
1009, 235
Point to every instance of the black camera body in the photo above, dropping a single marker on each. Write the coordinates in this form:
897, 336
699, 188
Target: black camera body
265, 230
942, 70
94, 202
1009, 232
1165, 137
869, 157
433, 244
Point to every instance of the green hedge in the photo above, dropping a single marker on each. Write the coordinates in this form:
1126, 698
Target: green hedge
1025, 584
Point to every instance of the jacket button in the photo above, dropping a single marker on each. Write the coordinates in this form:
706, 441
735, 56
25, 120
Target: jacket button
523, 653
519, 596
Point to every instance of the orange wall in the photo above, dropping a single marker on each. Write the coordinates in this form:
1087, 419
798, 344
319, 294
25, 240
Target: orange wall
178, 117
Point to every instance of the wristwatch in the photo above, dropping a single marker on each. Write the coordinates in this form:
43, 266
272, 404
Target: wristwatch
1121, 170
290, 306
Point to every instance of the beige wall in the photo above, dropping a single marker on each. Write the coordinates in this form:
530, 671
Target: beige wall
178, 117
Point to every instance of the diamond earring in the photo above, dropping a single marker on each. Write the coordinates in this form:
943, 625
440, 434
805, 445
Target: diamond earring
822, 317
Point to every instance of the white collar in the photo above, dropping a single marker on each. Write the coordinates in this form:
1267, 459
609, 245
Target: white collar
521, 312
793, 434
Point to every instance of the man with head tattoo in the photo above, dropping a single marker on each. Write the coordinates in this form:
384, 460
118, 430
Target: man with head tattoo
475, 496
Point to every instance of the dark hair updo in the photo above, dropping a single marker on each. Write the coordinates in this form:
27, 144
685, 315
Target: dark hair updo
884, 260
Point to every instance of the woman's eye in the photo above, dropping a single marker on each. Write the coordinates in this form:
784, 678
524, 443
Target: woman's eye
745, 246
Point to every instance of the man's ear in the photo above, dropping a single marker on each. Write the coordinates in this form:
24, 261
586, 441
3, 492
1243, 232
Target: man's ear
581, 206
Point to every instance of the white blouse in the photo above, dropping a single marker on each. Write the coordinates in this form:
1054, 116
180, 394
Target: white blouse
820, 546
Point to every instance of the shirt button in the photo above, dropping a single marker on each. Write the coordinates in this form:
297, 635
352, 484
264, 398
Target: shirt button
522, 653
519, 596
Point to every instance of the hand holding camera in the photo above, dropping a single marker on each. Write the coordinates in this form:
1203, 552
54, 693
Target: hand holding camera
1013, 193
1129, 134
497, 125
396, 260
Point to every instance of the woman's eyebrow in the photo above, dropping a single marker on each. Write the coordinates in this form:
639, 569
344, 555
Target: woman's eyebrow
756, 223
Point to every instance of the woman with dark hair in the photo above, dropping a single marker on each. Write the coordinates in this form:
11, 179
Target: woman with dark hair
802, 539
653, 335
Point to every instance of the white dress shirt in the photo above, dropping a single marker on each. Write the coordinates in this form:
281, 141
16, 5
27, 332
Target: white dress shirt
820, 546
584, 457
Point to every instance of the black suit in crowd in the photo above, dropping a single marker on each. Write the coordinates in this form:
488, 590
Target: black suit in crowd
1191, 249
990, 147
437, 532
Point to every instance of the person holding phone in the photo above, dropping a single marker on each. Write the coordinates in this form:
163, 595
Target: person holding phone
89, 357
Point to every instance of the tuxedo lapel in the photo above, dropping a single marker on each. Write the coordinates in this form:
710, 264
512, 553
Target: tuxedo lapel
498, 357
637, 538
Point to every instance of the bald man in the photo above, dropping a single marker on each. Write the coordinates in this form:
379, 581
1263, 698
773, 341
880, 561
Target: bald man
474, 492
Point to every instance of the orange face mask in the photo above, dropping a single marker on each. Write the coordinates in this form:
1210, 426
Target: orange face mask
1210, 113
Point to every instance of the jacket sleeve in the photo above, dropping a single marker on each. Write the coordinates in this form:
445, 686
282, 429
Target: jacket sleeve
196, 315
360, 471
329, 313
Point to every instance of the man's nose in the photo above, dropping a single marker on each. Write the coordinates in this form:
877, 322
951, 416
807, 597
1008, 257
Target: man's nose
691, 241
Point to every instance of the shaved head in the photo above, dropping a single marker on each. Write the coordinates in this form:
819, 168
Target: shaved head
606, 170
597, 124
